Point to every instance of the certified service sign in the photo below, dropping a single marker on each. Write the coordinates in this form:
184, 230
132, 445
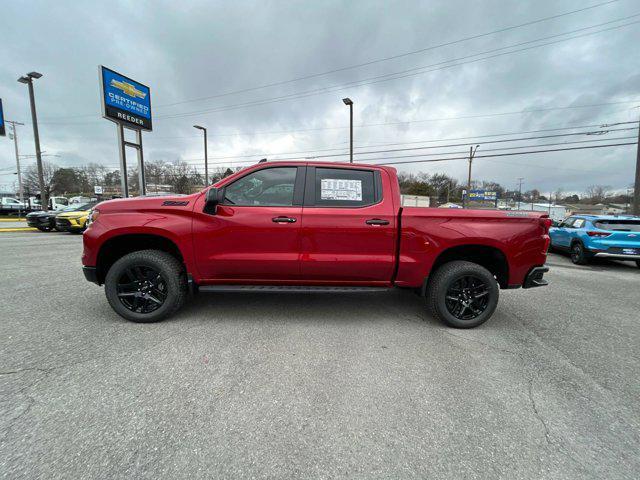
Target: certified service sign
124, 100
2, 130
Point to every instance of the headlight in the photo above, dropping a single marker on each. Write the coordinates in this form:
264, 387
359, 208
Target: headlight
93, 216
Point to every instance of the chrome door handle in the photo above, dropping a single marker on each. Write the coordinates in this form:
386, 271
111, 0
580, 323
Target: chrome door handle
376, 221
283, 220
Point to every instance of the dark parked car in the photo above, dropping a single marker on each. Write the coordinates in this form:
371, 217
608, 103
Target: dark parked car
43, 221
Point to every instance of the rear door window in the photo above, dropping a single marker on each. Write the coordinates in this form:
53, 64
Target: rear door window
618, 225
341, 187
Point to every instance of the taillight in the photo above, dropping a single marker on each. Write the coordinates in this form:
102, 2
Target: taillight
547, 242
546, 224
598, 234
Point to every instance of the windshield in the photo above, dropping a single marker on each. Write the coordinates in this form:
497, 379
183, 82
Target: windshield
81, 207
619, 225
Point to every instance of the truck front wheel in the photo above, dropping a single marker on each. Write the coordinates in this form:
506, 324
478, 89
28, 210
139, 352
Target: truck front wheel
462, 294
146, 286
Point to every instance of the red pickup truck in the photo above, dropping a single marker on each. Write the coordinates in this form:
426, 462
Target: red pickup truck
309, 226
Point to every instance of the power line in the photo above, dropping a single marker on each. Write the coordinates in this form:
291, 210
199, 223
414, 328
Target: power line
487, 142
430, 147
510, 154
367, 160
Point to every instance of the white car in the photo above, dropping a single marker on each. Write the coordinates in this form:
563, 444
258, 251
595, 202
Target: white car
11, 204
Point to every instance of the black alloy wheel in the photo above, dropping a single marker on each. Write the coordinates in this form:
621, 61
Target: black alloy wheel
146, 286
467, 297
578, 255
141, 289
462, 294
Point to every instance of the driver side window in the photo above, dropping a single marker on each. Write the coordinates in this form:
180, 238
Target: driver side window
267, 187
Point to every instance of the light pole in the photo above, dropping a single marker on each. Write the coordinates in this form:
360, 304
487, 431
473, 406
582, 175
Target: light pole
206, 158
520, 179
349, 102
15, 144
28, 80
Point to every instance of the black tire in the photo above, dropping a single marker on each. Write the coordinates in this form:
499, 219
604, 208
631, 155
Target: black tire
578, 254
43, 229
638, 263
162, 274
478, 304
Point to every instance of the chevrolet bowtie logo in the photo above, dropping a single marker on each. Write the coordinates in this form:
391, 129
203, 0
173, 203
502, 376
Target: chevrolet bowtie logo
127, 88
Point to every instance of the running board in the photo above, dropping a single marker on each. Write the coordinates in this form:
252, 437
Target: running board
289, 289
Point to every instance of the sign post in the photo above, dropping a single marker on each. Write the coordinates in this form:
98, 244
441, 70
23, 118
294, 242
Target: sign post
127, 103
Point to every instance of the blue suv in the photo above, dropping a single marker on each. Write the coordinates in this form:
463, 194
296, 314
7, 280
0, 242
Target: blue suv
604, 236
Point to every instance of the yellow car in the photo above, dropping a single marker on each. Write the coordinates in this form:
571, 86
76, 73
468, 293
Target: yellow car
75, 220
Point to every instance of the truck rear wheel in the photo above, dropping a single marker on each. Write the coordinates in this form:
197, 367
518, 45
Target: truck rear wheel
462, 294
146, 286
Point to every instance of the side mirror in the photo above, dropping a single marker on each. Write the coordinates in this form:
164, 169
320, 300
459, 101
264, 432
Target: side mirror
214, 197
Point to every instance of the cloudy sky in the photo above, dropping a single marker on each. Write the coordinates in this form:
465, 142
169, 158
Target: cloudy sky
267, 79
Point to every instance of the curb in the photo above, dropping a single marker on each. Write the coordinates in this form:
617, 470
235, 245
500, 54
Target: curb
18, 229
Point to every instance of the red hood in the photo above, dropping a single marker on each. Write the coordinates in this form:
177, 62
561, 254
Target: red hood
149, 203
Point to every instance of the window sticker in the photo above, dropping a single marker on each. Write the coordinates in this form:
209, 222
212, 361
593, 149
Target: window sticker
340, 189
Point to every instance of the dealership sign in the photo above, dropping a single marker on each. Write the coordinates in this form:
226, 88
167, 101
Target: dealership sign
2, 129
124, 100
478, 195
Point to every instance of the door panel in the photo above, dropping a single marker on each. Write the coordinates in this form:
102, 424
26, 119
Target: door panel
342, 244
254, 236
245, 243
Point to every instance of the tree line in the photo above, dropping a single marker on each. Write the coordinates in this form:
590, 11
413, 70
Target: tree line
176, 177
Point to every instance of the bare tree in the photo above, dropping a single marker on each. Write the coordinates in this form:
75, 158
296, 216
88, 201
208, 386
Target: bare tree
557, 194
30, 178
597, 193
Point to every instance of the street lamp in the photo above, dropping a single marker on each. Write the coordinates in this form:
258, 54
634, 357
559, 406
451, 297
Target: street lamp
28, 80
206, 158
349, 102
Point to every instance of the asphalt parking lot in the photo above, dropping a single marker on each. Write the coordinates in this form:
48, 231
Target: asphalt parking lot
313, 386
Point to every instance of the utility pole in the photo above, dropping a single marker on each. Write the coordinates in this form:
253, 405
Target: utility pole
472, 153
28, 79
15, 144
636, 185
520, 179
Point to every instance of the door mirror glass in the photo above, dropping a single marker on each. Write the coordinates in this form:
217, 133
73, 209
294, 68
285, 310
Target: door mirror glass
212, 200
